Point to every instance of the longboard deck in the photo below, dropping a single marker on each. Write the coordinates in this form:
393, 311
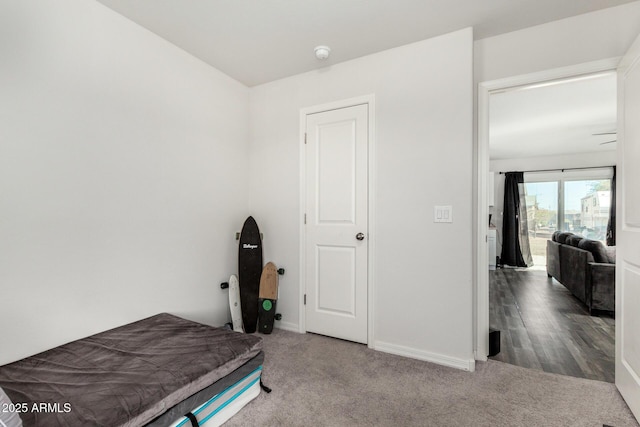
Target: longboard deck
249, 271
234, 303
267, 298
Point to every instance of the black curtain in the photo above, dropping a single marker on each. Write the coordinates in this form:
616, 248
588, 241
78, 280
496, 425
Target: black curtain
611, 225
515, 233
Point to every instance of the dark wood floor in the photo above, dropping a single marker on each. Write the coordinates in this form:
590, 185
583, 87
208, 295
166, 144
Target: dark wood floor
542, 326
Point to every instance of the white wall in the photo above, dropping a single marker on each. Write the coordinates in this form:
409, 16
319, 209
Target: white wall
422, 270
606, 33
120, 181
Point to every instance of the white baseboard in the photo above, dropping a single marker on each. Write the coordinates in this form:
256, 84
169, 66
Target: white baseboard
286, 326
478, 357
440, 359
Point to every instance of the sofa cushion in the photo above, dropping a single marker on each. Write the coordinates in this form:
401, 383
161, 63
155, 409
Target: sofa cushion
554, 236
611, 252
562, 237
598, 250
573, 240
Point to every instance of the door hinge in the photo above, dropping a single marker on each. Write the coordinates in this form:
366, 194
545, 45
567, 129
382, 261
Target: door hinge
305, 137
305, 299
305, 218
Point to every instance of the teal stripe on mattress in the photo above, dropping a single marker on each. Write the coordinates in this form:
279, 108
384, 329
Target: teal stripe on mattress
247, 387
221, 395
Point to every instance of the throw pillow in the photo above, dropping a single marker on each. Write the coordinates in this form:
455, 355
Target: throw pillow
573, 240
562, 237
596, 248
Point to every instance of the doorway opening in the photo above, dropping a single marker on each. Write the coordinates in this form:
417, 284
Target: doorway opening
544, 144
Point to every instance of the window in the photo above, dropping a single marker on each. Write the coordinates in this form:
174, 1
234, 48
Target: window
542, 216
587, 204
575, 201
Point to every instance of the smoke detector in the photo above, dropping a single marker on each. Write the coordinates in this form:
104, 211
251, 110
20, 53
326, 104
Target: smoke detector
322, 52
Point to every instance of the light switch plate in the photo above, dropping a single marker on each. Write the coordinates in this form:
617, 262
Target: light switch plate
442, 214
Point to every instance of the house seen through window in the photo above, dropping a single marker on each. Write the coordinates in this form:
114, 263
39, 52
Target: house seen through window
579, 206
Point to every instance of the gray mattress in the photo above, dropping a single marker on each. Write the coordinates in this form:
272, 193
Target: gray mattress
127, 376
192, 402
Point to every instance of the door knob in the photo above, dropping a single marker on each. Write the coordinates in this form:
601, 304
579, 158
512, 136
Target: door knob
360, 236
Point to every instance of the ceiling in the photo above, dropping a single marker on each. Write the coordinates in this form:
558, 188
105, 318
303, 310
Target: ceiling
257, 41
554, 119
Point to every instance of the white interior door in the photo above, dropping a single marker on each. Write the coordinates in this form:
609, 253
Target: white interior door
628, 231
336, 230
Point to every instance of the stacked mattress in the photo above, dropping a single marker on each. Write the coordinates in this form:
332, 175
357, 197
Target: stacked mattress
223, 405
150, 372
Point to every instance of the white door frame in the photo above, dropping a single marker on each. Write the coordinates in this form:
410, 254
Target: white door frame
371, 238
627, 380
482, 226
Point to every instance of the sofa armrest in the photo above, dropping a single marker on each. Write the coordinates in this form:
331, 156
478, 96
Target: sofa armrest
553, 260
603, 286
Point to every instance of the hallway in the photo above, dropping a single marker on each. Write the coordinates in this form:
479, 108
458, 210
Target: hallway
546, 328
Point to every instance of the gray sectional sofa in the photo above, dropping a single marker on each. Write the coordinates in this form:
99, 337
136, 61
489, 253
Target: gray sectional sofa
585, 267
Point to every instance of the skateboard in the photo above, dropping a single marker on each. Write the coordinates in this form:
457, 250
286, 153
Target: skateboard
267, 298
234, 302
249, 271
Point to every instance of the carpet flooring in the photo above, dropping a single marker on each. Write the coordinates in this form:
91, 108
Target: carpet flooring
321, 381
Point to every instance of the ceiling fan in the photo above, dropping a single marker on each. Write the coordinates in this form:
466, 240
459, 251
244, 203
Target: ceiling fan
607, 133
